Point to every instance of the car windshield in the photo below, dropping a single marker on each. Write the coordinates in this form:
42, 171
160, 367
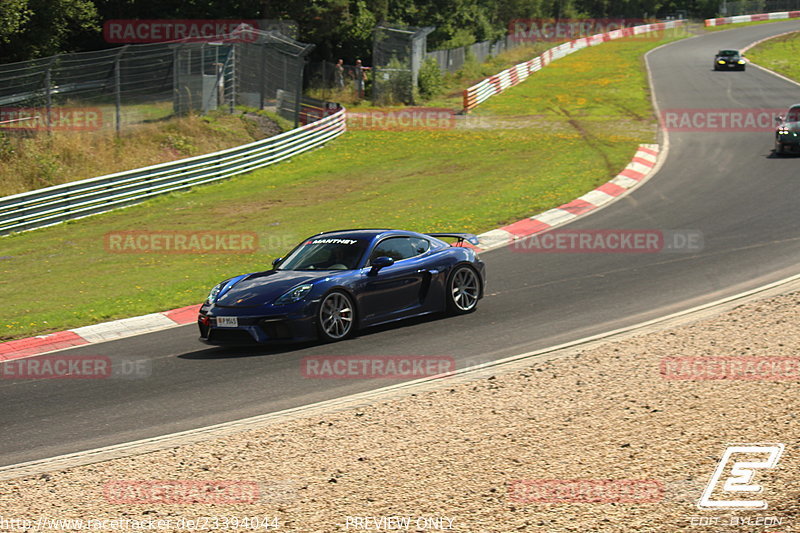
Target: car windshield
728, 53
325, 253
793, 115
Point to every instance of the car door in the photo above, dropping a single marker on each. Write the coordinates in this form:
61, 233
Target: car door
396, 290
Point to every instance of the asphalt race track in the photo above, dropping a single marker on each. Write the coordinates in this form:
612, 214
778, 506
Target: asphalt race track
725, 185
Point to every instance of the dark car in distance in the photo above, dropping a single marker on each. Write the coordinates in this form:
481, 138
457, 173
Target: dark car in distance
787, 135
332, 284
729, 60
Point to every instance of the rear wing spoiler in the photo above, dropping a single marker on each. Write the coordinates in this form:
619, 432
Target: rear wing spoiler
469, 237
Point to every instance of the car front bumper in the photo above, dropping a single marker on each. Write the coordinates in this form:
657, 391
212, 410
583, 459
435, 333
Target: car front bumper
788, 147
296, 323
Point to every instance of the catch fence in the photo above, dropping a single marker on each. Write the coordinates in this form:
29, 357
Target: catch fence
131, 84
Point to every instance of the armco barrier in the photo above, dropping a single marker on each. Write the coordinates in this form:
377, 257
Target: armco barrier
779, 15
482, 91
52, 205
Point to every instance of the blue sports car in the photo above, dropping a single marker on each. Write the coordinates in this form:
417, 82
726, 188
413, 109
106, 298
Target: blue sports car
333, 284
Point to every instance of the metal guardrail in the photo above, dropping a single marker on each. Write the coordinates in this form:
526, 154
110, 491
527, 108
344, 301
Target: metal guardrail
778, 15
485, 89
45, 207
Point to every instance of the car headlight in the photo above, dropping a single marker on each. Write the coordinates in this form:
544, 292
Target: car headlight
783, 132
213, 294
294, 295
741, 61
721, 62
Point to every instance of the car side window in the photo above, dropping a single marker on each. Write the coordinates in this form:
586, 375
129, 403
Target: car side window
420, 245
793, 115
399, 248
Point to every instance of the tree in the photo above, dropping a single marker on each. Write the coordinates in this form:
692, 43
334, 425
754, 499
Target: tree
38, 28
13, 15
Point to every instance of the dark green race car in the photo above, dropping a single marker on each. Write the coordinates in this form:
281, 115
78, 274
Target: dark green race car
729, 60
787, 136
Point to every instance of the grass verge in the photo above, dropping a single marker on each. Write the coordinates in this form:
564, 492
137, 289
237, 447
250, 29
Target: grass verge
29, 162
779, 54
576, 131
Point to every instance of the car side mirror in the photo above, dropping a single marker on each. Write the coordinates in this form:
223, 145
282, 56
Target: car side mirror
276, 261
379, 263
779, 119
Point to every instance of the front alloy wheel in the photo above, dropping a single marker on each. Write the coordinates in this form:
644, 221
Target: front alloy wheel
336, 317
464, 290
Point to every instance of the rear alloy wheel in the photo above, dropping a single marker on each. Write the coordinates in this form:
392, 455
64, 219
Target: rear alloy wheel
336, 317
463, 290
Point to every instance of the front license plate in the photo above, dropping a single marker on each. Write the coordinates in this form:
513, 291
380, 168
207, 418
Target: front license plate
227, 322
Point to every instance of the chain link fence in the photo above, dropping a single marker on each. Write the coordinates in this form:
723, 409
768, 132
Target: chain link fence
336, 81
399, 53
453, 59
397, 56
121, 87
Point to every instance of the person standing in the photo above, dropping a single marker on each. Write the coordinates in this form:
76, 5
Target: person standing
338, 74
361, 77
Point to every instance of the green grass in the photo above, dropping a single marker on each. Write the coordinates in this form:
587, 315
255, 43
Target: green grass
472, 72
595, 109
779, 54
743, 25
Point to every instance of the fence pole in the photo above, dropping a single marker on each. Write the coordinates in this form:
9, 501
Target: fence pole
298, 93
325, 85
233, 77
117, 95
118, 89
262, 83
48, 95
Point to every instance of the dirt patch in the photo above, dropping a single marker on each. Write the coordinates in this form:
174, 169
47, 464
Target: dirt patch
266, 126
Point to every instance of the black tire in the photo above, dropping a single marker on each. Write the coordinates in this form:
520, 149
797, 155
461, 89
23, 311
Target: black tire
463, 290
336, 317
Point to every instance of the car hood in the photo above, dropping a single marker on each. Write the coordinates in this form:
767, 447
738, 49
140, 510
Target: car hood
791, 126
261, 288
